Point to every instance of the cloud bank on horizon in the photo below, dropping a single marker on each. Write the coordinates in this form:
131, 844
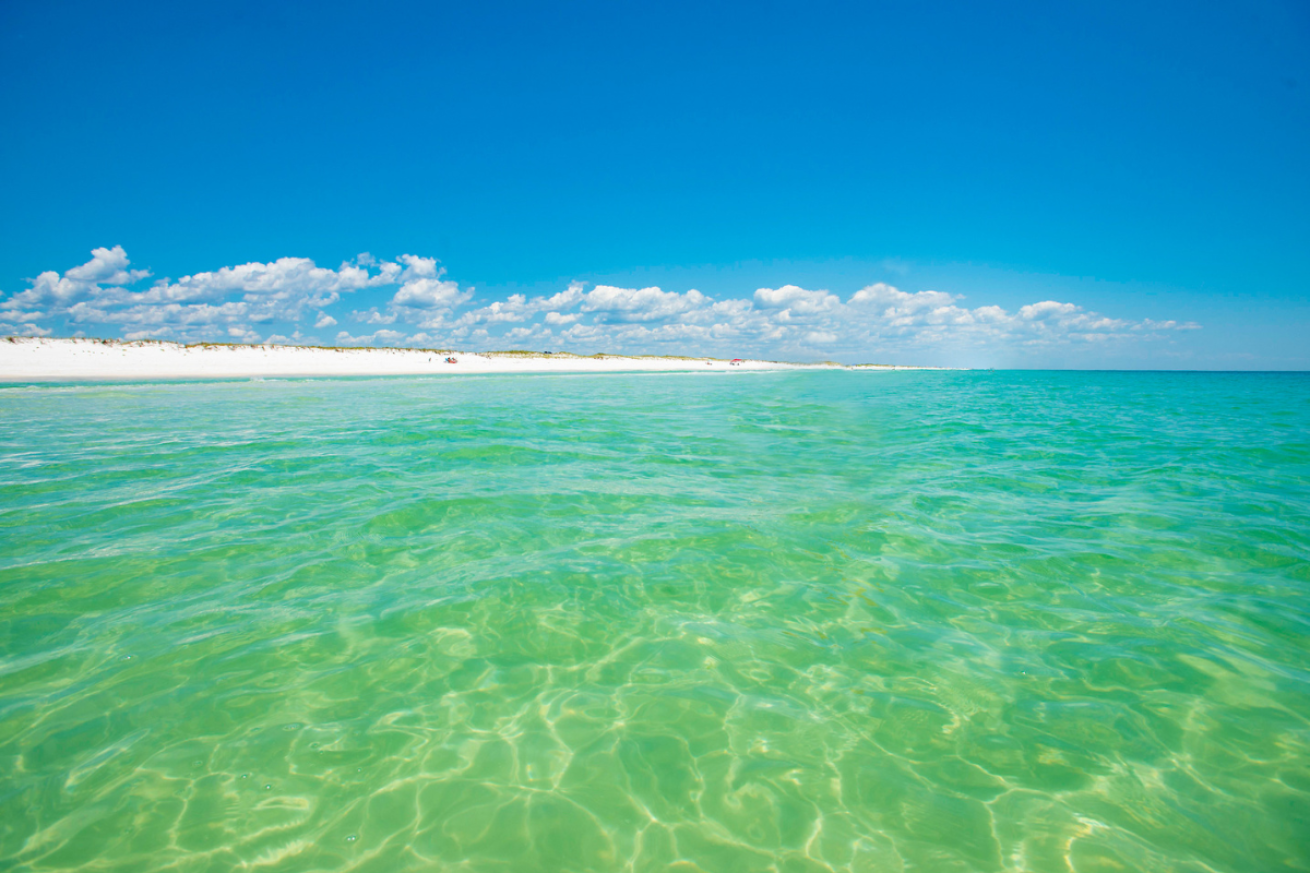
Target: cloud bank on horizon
288, 301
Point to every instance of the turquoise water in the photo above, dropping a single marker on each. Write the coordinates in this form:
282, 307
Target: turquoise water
786, 621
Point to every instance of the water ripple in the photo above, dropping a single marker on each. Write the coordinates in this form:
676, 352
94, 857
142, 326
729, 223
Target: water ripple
801, 621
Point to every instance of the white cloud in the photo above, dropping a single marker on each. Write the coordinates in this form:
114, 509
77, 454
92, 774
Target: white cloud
1047, 309
1149, 324
429, 293
384, 336
790, 320
222, 302
639, 304
518, 308
23, 330
274, 298
20, 315
283, 279
423, 288
515, 308
49, 289
107, 266
796, 300
373, 316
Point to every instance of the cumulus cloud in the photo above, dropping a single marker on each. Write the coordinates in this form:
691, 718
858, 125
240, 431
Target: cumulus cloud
373, 316
429, 294
228, 302
640, 304
791, 320
427, 308
8, 329
283, 279
794, 300
422, 286
49, 289
518, 308
384, 336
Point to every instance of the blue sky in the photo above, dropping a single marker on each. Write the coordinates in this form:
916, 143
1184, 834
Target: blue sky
1069, 185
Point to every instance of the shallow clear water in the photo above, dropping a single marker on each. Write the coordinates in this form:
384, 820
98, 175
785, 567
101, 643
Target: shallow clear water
803, 622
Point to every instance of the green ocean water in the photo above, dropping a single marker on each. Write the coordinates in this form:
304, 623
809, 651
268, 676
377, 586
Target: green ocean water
909, 621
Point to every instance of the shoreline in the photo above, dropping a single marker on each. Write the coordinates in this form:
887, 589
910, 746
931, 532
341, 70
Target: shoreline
45, 359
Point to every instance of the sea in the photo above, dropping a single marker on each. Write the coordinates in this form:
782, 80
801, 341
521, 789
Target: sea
763, 621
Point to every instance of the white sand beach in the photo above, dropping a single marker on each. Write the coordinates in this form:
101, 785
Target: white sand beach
25, 359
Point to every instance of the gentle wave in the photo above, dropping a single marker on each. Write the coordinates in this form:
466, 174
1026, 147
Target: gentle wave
936, 620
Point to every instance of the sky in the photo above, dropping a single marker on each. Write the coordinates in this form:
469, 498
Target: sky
1080, 185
